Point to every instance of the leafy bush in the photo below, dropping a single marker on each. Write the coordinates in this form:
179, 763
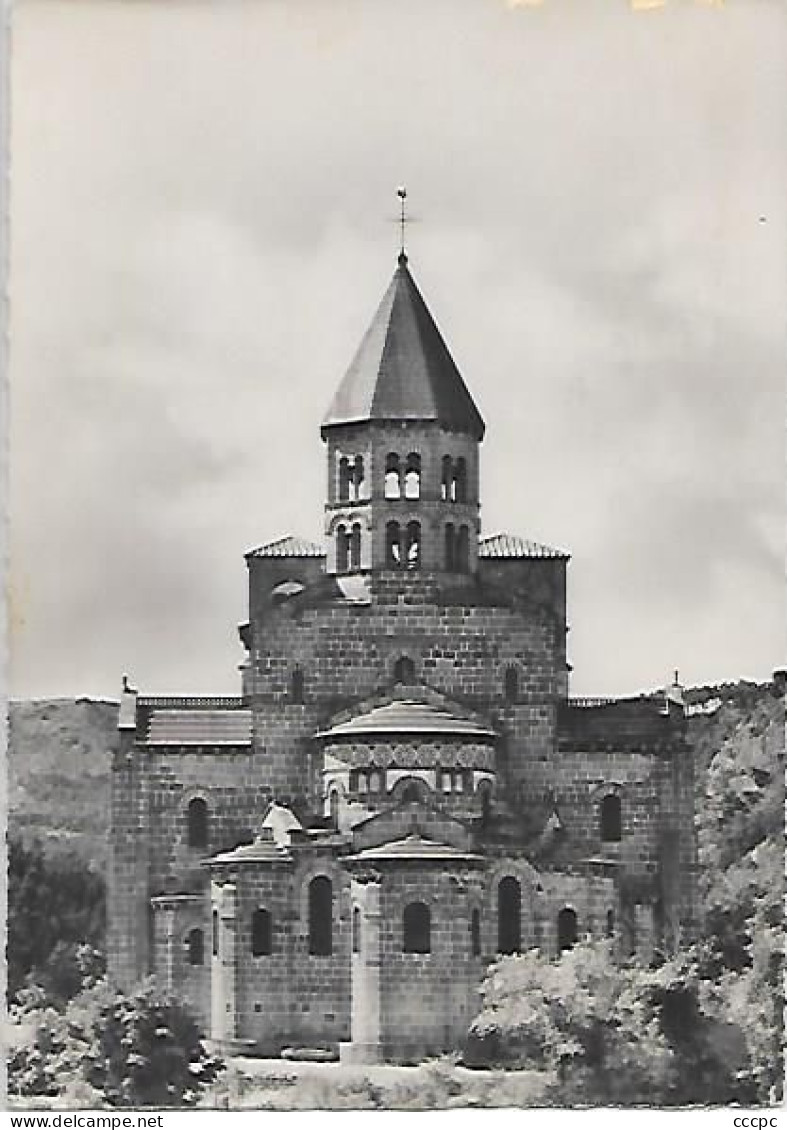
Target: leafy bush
125, 1051
606, 1032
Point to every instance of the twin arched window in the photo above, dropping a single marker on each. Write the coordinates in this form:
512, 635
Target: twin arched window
261, 933
403, 547
454, 781
416, 928
351, 474
402, 478
321, 916
197, 822
509, 915
348, 548
610, 819
453, 480
366, 781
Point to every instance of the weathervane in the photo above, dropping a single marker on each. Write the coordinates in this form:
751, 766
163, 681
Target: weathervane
401, 192
403, 220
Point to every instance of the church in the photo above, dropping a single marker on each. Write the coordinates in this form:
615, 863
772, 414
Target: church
403, 789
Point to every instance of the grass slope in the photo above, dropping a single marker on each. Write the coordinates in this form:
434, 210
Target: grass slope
59, 756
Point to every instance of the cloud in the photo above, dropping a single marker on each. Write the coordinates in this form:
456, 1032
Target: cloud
202, 209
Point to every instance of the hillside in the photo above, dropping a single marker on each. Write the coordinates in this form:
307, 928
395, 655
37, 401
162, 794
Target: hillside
59, 753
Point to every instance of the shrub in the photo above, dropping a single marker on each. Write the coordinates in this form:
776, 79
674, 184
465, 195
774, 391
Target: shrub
129, 1051
608, 1033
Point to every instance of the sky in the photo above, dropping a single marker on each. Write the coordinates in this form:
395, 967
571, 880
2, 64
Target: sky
202, 223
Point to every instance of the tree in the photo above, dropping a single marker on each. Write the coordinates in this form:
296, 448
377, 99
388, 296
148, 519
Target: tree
55, 905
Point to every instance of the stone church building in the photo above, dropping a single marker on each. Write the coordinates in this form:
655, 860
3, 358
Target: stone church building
403, 788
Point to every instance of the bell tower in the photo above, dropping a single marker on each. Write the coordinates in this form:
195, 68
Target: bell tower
403, 438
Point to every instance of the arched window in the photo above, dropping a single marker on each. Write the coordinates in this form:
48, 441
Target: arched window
393, 486
412, 476
511, 684
566, 928
610, 923
485, 794
321, 916
393, 545
296, 685
445, 478
509, 916
197, 820
333, 807
356, 929
345, 474
459, 481
261, 933
355, 547
375, 781
416, 928
214, 921
462, 550
610, 818
195, 947
342, 549
413, 545
404, 670
475, 932
411, 792
450, 556
356, 479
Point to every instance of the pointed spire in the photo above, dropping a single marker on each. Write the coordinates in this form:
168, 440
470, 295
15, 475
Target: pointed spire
403, 369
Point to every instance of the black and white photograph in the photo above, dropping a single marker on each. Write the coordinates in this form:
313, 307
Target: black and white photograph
396, 512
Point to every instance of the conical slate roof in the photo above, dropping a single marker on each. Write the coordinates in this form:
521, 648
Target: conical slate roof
403, 370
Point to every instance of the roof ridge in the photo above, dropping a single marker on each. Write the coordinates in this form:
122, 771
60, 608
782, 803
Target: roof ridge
503, 544
403, 369
288, 545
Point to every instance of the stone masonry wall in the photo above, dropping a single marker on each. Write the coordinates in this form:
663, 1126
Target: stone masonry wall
128, 911
428, 1000
230, 783
348, 652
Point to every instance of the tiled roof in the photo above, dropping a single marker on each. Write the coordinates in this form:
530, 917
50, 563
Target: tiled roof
403, 370
405, 717
288, 547
511, 545
262, 850
414, 847
198, 727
